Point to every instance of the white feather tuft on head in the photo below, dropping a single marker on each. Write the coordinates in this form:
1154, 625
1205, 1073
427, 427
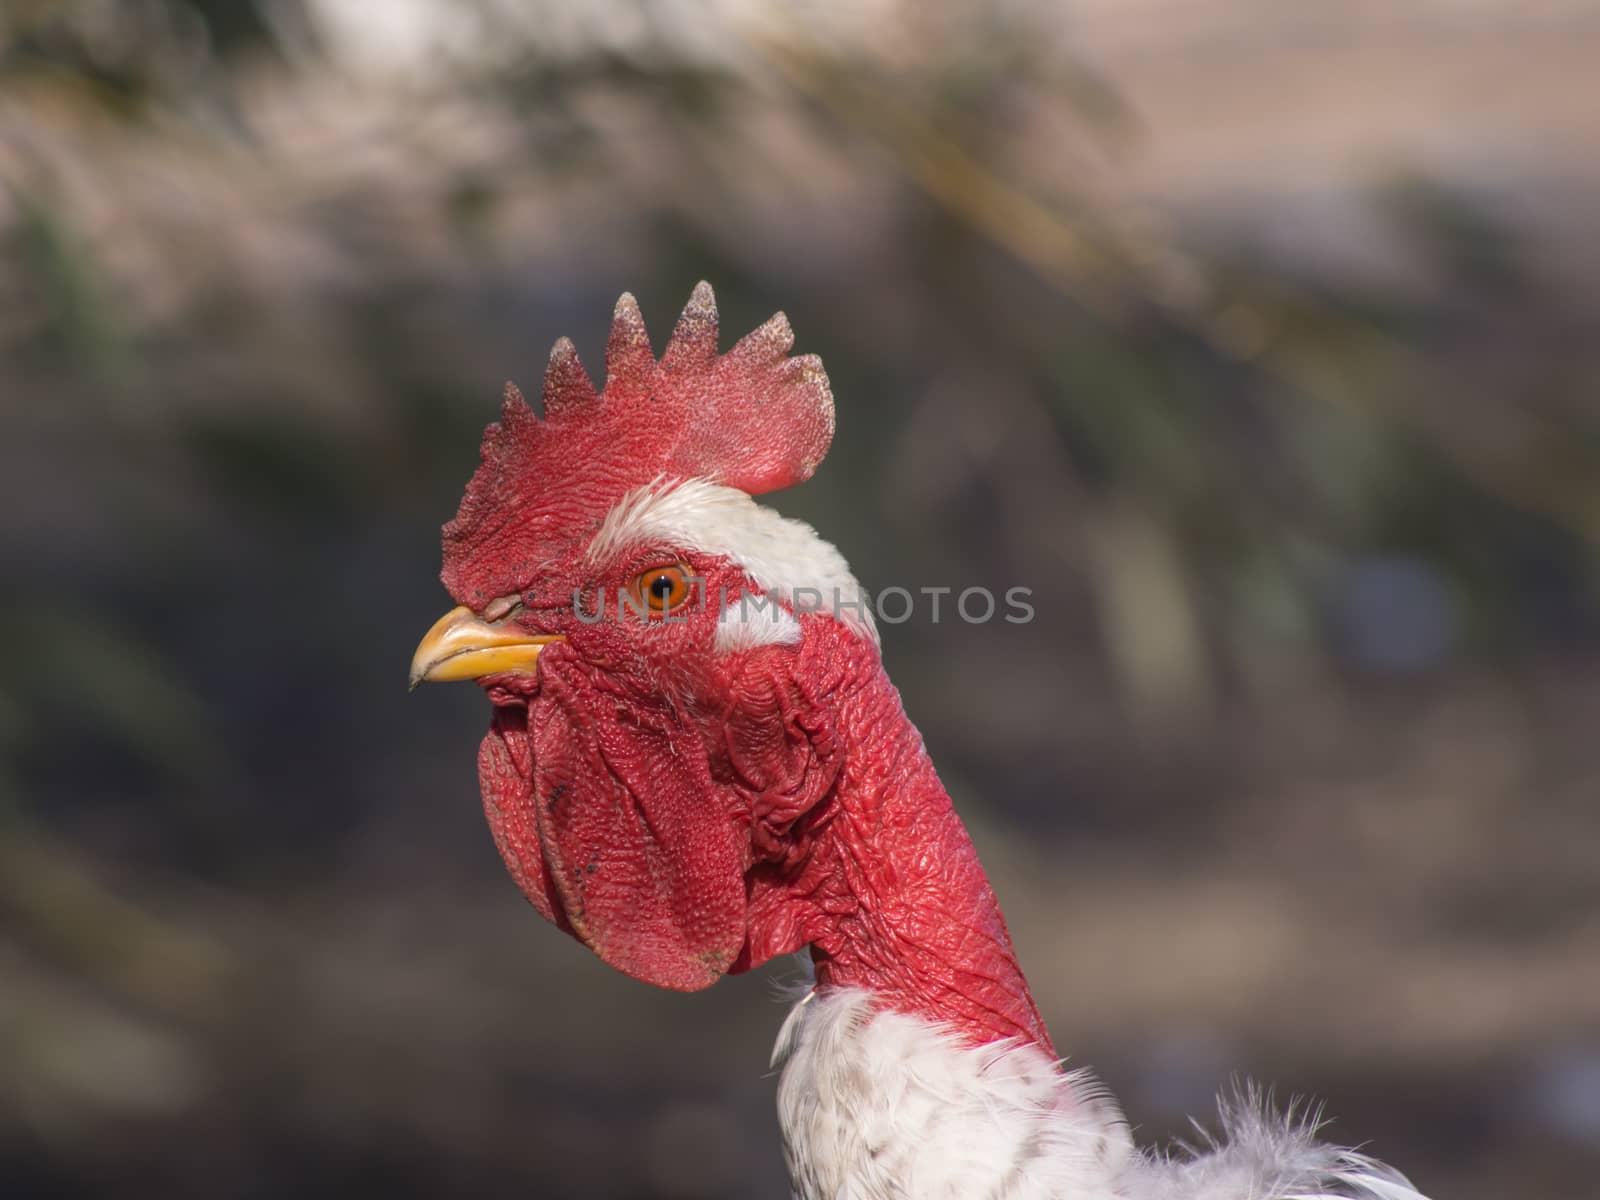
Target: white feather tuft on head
787, 559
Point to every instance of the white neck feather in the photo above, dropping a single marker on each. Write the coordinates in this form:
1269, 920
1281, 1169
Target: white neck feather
879, 1105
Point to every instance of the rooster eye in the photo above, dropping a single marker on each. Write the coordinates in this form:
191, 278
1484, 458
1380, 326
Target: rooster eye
661, 589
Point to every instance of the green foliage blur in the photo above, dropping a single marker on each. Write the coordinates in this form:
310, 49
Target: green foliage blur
1296, 442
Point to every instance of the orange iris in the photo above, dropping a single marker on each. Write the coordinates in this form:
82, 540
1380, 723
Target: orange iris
660, 589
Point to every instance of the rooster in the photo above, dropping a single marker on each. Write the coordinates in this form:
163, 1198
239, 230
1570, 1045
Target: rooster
696, 763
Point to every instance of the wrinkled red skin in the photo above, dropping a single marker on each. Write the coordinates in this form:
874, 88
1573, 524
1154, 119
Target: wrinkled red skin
684, 812
889, 893
688, 814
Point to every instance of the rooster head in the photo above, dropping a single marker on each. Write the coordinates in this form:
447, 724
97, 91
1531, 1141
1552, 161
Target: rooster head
663, 729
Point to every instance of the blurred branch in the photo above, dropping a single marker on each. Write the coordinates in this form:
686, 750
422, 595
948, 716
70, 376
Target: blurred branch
1369, 370
1104, 267
1078, 262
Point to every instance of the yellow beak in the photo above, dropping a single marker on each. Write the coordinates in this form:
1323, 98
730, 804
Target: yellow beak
461, 646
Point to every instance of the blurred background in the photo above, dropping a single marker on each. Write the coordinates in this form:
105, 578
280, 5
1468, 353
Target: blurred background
1260, 340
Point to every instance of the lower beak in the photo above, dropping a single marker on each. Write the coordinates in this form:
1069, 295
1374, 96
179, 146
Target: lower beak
461, 646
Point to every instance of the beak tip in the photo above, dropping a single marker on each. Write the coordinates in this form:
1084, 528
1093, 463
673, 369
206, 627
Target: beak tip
463, 646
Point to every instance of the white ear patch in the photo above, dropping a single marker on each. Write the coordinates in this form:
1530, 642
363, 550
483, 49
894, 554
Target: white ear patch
755, 620
785, 558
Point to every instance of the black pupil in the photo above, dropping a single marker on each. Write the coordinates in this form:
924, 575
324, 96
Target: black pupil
661, 587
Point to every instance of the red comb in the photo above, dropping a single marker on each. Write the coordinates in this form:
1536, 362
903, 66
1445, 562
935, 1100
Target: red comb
752, 418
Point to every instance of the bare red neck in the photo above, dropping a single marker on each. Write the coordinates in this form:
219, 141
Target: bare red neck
892, 897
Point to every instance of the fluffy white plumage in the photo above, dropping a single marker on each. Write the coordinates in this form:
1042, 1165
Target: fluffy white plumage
878, 1105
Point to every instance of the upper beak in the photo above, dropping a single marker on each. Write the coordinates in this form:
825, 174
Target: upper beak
462, 646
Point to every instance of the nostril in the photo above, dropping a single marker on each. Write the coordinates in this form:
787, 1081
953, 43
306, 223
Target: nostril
500, 607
